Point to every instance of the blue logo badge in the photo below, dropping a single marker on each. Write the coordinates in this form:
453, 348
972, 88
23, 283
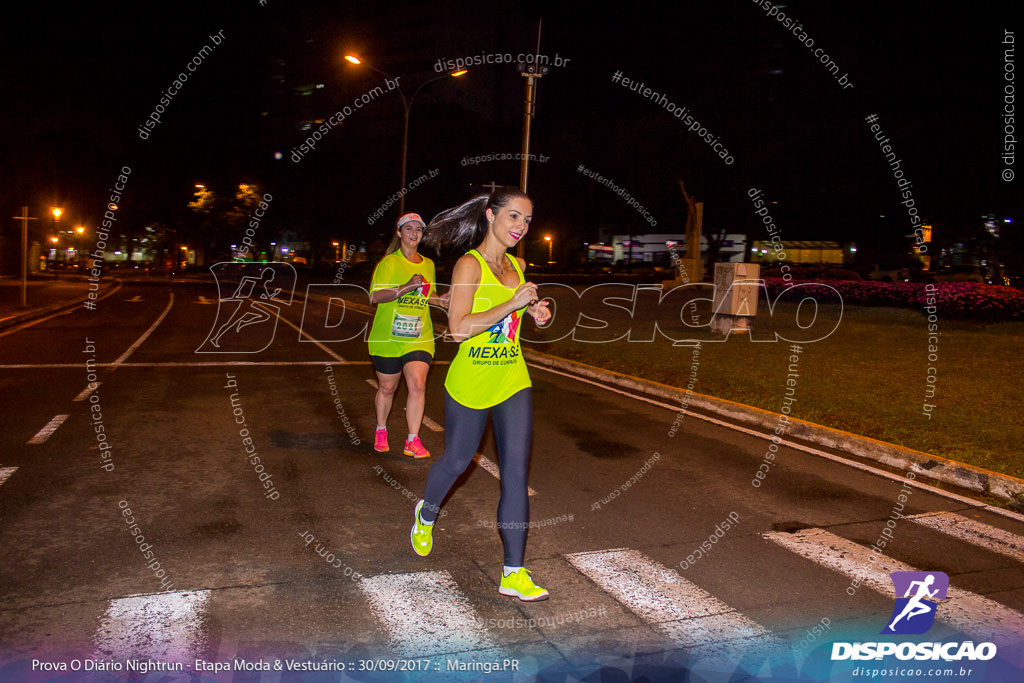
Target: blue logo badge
917, 595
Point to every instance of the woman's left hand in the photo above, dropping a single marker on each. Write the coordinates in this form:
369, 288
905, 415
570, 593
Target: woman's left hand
444, 298
540, 312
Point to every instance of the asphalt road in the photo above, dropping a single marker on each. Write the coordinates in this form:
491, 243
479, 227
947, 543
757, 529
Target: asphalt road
656, 547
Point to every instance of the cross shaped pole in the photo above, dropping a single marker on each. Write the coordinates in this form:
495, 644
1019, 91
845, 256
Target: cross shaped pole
24, 218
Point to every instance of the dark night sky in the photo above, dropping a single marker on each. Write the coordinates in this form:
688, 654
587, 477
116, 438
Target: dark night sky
80, 80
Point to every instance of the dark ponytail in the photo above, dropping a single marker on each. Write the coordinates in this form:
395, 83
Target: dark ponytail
465, 226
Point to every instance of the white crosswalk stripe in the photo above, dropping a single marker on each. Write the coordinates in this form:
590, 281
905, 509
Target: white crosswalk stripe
47, 431
688, 615
489, 466
166, 627
5, 473
431, 425
84, 394
426, 614
977, 533
977, 616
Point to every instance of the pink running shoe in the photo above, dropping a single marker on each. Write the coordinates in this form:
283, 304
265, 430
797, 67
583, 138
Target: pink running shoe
380, 441
415, 448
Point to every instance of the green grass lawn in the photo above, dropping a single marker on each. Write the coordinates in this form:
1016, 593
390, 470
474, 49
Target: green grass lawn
868, 377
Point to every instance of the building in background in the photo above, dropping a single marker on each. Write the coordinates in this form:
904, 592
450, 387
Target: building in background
662, 249
804, 251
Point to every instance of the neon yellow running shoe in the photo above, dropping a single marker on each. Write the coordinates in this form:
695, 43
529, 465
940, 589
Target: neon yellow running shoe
521, 585
421, 534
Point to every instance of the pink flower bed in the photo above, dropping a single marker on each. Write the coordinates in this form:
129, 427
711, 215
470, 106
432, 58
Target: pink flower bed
968, 300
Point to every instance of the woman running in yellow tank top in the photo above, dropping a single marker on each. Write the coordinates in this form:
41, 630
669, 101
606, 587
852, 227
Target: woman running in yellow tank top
489, 299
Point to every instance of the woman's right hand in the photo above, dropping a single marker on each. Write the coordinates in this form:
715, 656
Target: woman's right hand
414, 282
525, 295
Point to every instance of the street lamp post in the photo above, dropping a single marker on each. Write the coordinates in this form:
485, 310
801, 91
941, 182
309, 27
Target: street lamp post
531, 72
24, 218
56, 212
406, 107
547, 238
80, 230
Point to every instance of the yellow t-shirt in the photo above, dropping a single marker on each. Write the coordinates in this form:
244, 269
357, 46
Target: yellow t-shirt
489, 367
402, 325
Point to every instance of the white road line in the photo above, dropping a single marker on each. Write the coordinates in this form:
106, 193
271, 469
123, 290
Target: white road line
302, 332
481, 459
974, 532
145, 335
5, 473
93, 386
690, 616
167, 627
977, 616
430, 424
796, 446
46, 432
425, 614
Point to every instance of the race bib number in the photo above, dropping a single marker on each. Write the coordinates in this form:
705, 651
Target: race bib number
406, 326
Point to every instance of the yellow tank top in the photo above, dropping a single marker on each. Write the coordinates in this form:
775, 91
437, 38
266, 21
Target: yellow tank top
402, 325
489, 367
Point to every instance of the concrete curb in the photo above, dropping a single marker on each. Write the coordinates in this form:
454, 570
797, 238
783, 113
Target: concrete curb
1000, 486
33, 313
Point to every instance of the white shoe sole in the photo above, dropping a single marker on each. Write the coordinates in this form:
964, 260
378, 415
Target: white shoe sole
516, 594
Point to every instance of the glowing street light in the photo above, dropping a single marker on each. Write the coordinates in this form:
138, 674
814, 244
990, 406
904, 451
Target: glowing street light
547, 238
56, 212
406, 106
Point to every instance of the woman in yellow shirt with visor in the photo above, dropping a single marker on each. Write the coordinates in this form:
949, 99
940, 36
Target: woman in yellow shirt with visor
401, 339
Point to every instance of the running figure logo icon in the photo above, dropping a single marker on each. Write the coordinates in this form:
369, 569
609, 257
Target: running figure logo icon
251, 294
914, 612
504, 332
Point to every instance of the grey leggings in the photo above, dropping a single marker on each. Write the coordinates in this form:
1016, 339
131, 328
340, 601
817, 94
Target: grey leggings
464, 428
